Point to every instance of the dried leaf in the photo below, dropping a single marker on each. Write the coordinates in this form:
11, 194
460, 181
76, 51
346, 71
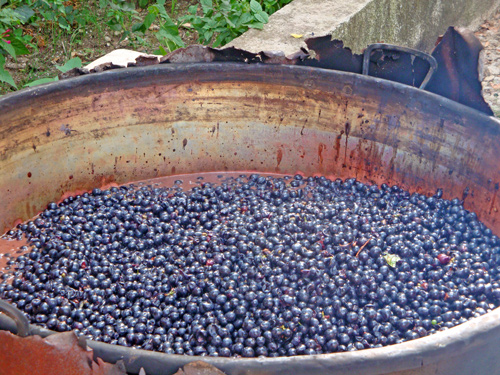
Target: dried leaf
297, 36
391, 259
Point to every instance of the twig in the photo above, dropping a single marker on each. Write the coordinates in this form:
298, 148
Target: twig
362, 247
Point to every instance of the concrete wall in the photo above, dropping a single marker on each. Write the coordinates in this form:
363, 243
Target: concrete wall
412, 23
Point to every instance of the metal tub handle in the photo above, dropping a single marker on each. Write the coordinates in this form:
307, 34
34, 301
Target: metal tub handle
22, 323
390, 47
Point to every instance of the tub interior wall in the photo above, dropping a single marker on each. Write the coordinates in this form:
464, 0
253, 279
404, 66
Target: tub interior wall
120, 126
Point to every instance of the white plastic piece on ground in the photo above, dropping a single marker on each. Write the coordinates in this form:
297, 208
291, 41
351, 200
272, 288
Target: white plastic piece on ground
120, 57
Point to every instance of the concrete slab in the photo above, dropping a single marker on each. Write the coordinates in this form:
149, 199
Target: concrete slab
358, 23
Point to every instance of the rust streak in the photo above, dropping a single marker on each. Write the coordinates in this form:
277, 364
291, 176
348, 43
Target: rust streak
492, 205
279, 157
321, 147
347, 130
337, 145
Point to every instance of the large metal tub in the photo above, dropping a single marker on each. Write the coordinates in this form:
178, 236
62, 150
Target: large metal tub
135, 124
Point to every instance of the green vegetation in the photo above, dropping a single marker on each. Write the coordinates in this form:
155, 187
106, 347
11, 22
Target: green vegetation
38, 35
226, 19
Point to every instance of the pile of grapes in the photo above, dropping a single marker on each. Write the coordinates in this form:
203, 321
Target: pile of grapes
255, 265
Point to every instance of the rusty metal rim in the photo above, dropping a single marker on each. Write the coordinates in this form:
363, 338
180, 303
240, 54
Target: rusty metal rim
229, 71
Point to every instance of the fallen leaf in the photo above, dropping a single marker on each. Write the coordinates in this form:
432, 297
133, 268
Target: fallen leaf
297, 36
391, 259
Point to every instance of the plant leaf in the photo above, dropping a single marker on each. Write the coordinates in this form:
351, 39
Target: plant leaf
144, 26
262, 17
24, 13
148, 20
256, 25
192, 9
160, 51
391, 259
255, 6
208, 35
9, 16
6, 46
75, 62
221, 39
206, 6
245, 17
41, 81
5, 75
19, 47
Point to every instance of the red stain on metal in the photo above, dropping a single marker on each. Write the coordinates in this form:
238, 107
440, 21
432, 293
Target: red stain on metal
279, 157
17, 222
108, 182
321, 147
347, 130
337, 145
492, 206
302, 153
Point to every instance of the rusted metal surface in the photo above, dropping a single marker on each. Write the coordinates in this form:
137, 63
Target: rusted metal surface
135, 124
457, 77
392, 65
234, 117
199, 368
61, 353
413, 53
